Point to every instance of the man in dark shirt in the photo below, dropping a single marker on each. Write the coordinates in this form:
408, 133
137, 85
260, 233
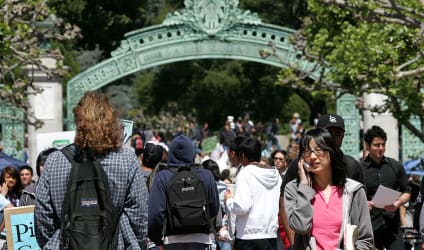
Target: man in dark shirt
335, 125
382, 170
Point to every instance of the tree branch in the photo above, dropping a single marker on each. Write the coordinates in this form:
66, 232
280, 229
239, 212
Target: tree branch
406, 64
409, 73
382, 14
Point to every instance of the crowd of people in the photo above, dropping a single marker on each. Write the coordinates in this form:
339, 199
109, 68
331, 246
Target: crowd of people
319, 199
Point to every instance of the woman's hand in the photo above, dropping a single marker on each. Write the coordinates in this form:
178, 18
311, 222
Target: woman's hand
228, 194
304, 176
4, 189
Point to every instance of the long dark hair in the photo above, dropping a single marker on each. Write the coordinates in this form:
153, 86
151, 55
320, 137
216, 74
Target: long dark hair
13, 172
325, 141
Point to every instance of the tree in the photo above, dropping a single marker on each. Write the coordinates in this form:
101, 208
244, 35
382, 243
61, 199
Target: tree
363, 47
103, 23
212, 89
23, 33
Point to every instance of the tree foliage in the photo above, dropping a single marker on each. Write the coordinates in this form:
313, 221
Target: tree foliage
212, 89
103, 23
26, 27
364, 47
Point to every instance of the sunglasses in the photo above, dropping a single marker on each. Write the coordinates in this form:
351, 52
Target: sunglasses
279, 159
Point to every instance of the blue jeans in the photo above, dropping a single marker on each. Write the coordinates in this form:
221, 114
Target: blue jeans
224, 245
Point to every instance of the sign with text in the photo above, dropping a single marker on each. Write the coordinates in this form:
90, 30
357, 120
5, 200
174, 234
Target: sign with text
20, 229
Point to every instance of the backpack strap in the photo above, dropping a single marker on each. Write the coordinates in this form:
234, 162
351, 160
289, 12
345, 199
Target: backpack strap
69, 153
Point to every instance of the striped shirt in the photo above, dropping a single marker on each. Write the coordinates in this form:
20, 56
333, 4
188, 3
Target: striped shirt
129, 195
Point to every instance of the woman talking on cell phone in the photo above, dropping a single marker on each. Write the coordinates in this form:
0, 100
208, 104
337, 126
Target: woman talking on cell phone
322, 203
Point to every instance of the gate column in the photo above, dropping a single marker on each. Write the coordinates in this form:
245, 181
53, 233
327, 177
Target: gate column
47, 106
346, 108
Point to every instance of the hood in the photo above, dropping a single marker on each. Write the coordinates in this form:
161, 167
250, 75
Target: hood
268, 177
181, 152
351, 185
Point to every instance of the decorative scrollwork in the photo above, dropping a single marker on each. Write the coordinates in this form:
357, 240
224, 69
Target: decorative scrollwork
123, 47
211, 17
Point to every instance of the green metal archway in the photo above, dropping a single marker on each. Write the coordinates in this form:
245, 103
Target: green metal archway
205, 29
213, 29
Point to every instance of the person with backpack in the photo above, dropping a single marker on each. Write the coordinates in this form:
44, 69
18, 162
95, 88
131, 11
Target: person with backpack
109, 196
183, 200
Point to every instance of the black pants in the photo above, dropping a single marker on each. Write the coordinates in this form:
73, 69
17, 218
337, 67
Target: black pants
388, 239
259, 244
188, 246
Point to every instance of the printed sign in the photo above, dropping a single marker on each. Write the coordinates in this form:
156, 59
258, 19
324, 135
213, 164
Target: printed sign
20, 229
127, 126
54, 140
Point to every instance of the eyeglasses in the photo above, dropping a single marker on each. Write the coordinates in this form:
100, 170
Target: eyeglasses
279, 159
318, 152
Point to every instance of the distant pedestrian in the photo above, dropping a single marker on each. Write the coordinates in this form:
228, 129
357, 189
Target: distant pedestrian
28, 194
272, 132
226, 136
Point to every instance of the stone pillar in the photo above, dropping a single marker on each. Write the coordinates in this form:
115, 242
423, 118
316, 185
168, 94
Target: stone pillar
47, 106
385, 120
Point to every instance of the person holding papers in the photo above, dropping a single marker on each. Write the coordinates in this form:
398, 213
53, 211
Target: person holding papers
323, 207
387, 172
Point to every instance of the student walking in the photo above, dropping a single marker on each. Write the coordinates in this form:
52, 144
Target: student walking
98, 135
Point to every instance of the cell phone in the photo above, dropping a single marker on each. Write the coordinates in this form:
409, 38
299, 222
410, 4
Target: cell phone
306, 166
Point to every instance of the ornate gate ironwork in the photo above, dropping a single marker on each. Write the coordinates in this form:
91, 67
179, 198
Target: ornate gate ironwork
206, 29
213, 29
12, 131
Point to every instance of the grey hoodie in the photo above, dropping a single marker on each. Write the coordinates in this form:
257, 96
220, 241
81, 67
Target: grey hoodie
299, 210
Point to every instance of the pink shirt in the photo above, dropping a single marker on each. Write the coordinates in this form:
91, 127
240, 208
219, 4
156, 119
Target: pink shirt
327, 218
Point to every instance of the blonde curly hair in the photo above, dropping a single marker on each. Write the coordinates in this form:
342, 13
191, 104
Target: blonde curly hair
98, 128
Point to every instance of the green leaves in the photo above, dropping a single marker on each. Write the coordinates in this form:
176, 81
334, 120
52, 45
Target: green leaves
24, 27
369, 46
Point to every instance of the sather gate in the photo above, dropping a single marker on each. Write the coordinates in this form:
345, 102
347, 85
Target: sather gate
205, 29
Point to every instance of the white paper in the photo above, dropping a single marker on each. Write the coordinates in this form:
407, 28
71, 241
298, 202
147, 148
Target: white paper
350, 236
385, 196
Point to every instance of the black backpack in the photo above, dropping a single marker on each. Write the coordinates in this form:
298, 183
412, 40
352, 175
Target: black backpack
89, 219
187, 203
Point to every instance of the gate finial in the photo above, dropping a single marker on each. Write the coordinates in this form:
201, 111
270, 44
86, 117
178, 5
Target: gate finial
211, 17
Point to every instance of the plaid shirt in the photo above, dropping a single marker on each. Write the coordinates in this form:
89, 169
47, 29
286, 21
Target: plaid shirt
129, 194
